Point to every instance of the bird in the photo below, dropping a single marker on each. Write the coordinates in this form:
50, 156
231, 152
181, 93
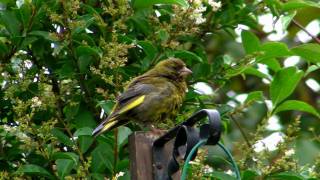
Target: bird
151, 98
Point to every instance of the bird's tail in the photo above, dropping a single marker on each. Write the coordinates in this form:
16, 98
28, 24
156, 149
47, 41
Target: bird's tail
114, 119
107, 125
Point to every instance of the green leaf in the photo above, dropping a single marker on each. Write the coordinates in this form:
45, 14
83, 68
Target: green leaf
234, 71
187, 55
85, 138
61, 137
67, 70
102, 158
250, 42
44, 34
86, 21
255, 72
71, 110
307, 151
123, 133
84, 62
151, 52
123, 164
25, 12
297, 4
311, 69
85, 38
140, 22
201, 70
274, 50
140, 4
297, 106
10, 22
224, 109
254, 96
84, 131
85, 142
97, 176
286, 20
272, 63
84, 119
90, 9
274, 6
249, 175
148, 49
64, 166
28, 40
163, 35
310, 52
5, 2
88, 51
66, 155
3, 49
284, 83
106, 105
286, 176
32, 169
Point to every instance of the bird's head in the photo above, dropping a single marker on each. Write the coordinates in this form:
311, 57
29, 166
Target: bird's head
173, 68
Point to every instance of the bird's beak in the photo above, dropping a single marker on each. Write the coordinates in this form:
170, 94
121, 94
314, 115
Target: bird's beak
185, 71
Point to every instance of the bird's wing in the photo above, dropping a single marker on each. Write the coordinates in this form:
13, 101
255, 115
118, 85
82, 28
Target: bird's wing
130, 99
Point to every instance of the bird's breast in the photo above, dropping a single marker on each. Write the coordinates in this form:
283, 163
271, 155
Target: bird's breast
160, 105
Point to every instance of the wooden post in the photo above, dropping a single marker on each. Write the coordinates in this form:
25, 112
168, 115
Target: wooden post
141, 165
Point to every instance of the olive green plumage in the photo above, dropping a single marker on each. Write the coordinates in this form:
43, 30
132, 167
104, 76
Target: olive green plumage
151, 98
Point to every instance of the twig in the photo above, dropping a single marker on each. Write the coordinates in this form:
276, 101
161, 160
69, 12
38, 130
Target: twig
87, 96
241, 131
303, 29
56, 91
115, 150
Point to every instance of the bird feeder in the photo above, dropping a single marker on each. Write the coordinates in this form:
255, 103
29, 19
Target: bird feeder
160, 158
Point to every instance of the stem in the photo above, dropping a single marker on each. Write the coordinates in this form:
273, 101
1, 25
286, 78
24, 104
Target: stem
241, 131
303, 29
115, 150
56, 91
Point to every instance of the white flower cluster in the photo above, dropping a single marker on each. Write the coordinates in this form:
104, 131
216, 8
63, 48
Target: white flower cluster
215, 5
289, 152
14, 130
36, 102
200, 8
118, 175
197, 14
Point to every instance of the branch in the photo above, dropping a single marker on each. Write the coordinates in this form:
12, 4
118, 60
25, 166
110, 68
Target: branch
56, 91
303, 29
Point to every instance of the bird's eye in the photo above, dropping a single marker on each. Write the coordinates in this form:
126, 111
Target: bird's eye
176, 67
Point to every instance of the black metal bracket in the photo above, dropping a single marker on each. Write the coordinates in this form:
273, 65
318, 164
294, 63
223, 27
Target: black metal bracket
184, 137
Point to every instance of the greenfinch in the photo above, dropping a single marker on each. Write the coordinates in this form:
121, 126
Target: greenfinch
150, 99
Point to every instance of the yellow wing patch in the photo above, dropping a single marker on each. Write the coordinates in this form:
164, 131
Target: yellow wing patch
113, 121
109, 125
132, 104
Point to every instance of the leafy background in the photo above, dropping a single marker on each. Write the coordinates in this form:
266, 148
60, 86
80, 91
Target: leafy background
64, 62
